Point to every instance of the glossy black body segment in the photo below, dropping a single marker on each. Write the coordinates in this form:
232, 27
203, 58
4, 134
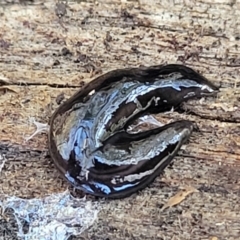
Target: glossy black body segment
88, 140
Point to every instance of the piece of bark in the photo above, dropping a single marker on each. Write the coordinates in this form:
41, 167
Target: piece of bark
201, 34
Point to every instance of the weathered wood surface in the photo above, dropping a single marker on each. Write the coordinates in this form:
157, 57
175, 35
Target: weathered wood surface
42, 57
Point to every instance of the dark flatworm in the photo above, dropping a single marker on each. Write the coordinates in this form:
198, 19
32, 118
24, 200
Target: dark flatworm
88, 140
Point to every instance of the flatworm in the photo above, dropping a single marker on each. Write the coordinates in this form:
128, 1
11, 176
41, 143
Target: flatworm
88, 138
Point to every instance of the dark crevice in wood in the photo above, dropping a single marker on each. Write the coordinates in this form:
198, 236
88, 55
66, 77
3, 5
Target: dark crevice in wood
53, 85
10, 149
214, 118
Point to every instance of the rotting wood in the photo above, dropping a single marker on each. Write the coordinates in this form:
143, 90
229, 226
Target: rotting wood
105, 35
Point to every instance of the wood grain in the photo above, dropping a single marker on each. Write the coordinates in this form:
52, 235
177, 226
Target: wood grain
44, 59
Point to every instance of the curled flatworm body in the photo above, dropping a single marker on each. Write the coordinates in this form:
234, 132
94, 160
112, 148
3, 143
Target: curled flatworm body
88, 137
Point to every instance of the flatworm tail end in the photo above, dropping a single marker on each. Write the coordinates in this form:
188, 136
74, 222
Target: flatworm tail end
158, 147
